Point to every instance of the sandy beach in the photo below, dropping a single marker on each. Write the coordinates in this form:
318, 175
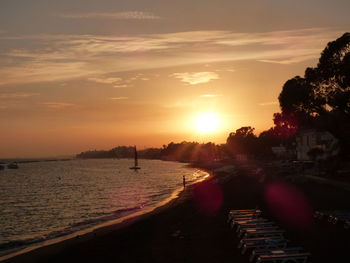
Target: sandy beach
193, 227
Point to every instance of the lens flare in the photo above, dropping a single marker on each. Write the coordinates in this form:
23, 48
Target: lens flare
208, 197
288, 204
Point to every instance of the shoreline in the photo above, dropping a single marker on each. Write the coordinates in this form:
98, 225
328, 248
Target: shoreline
105, 226
180, 231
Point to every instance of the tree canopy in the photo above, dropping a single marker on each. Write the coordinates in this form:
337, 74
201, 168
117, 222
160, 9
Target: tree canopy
323, 89
242, 141
321, 98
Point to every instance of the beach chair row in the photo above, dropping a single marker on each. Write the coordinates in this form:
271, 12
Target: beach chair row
335, 217
263, 238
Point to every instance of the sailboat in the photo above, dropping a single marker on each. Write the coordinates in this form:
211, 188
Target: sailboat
135, 167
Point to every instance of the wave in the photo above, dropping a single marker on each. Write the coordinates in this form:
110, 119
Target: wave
9, 246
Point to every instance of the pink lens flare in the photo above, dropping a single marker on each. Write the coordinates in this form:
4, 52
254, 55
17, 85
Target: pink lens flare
289, 204
208, 197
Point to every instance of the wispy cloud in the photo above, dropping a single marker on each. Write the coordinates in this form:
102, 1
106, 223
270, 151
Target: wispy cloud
121, 86
128, 15
210, 95
119, 98
106, 80
58, 105
42, 70
17, 95
61, 57
288, 60
225, 70
269, 103
194, 78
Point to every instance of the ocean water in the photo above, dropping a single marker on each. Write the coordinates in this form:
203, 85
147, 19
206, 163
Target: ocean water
45, 200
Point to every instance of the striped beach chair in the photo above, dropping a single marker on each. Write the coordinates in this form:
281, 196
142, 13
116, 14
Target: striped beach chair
262, 243
245, 225
257, 228
267, 252
284, 258
251, 233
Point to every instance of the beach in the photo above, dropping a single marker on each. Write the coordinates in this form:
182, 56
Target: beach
193, 227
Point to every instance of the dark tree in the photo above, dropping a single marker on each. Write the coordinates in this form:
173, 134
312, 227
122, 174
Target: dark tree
242, 141
323, 89
321, 99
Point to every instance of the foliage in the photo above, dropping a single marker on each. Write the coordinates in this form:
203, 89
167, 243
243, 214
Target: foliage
242, 141
321, 99
121, 152
183, 152
323, 89
190, 152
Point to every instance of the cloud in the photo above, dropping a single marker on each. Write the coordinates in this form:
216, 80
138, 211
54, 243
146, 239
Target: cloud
17, 95
288, 60
225, 70
41, 70
194, 78
63, 57
58, 105
119, 98
210, 95
128, 15
121, 86
269, 103
106, 80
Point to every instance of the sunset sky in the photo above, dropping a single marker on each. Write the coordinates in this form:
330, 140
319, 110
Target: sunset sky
81, 74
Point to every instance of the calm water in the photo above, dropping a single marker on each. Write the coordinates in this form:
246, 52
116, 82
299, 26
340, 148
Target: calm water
44, 200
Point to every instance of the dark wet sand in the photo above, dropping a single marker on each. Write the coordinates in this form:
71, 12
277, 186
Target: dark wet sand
181, 231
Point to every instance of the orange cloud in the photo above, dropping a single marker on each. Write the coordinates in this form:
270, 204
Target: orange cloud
17, 95
58, 105
129, 15
194, 78
61, 57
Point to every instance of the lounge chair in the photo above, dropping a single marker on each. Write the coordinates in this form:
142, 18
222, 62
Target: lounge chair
243, 213
258, 239
263, 243
263, 233
254, 224
280, 251
245, 221
283, 258
242, 231
340, 218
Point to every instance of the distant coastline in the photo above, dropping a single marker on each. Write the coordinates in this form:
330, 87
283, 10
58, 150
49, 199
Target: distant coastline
187, 152
28, 160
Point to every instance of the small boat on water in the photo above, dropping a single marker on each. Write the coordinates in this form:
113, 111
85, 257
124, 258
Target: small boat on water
13, 165
135, 167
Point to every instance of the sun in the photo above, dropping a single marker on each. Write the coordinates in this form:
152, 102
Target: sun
207, 123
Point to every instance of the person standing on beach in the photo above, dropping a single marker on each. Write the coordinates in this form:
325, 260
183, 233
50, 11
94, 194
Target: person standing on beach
184, 181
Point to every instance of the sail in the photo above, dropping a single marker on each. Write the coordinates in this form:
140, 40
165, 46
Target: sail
136, 161
135, 167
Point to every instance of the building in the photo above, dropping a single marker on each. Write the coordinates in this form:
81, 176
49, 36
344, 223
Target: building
313, 139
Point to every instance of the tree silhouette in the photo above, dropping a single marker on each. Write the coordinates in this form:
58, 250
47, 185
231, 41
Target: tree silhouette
322, 97
323, 89
242, 141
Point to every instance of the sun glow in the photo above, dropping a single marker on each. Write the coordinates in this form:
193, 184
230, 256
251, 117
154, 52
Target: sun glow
207, 123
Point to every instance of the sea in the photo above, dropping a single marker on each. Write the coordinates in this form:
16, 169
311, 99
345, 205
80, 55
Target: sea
42, 201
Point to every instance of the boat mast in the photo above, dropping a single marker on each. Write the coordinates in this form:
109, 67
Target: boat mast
136, 162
